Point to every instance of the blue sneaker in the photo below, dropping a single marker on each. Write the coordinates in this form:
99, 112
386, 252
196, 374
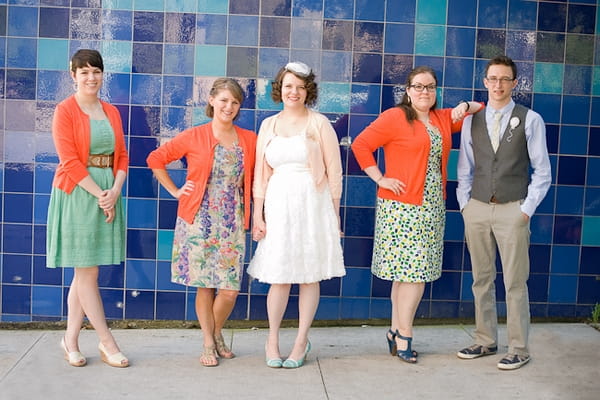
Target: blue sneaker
476, 351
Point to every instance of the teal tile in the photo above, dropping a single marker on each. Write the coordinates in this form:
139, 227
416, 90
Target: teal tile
548, 78
213, 6
431, 11
452, 163
118, 4
334, 97
165, 245
211, 60
180, 6
117, 56
430, 40
562, 289
149, 5
263, 96
596, 80
46, 300
591, 231
53, 54
199, 116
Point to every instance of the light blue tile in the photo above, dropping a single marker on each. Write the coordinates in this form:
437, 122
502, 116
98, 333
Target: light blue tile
141, 213
334, 97
118, 4
211, 61
140, 274
117, 56
213, 6
149, 5
430, 40
590, 235
336, 66
270, 61
145, 89
181, 6
21, 53
307, 8
431, 12
40, 208
46, 300
306, 33
242, 30
165, 245
263, 96
163, 277
117, 25
53, 54
357, 282
23, 21
548, 78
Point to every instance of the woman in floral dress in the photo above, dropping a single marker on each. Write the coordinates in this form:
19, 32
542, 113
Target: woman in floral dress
213, 210
409, 227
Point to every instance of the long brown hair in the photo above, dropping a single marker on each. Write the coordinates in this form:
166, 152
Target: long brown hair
405, 104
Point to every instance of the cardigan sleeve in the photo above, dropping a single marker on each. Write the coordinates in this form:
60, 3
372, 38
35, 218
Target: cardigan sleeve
331, 157
66, 143
377, 134
174, 149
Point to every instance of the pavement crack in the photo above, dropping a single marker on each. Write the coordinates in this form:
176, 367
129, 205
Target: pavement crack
21, 357
322, 379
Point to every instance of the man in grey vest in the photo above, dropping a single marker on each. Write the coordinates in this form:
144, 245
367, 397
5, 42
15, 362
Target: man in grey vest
497, 196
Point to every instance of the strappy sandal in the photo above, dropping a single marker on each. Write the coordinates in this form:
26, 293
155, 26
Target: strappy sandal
222, 349
208, 357
391, 340
406, 355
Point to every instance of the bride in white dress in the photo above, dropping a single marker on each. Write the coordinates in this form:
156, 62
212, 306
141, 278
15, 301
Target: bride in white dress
297, 191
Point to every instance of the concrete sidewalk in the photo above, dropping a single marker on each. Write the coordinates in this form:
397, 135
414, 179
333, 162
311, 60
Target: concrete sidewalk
345, 363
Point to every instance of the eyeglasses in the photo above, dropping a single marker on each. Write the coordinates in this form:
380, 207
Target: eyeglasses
298, 68
419, 88
494, 79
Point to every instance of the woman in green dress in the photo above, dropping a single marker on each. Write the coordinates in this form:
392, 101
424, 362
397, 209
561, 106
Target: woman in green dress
85, 216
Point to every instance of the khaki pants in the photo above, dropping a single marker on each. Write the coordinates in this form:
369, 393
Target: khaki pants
503, 226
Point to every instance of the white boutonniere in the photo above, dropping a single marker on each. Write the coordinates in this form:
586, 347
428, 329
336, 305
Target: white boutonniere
514, 122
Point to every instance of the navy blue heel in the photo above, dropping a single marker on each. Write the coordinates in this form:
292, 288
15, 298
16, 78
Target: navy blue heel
391, 342
406, 355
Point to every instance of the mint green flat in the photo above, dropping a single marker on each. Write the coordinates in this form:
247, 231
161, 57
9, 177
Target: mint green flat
274, 362
290, 364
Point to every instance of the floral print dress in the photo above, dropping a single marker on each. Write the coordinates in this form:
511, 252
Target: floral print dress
209, 253
409, 238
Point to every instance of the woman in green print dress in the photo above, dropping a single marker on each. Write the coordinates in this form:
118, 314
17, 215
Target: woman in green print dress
85, 217
409, 227
213, 210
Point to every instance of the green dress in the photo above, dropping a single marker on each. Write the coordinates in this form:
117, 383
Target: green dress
77, 233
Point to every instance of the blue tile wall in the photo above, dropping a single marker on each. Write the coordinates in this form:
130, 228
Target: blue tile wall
160, 60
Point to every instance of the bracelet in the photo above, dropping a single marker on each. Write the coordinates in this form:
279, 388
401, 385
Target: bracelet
466, 102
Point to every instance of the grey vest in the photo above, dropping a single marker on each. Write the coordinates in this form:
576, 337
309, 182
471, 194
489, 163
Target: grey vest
504, 174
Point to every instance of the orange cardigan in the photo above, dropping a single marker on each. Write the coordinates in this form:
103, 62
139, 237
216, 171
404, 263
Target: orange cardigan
406, 150
197, 145
71, 135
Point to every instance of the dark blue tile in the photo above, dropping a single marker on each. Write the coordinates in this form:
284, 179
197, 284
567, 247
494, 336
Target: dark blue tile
462, 12
395, 71
561, 310
369, 10
436, 63
357, 282
16, 269
117, 25
23, 21
581, 18
242, 30
116, 88
39, 239
124, 113
140, 148
177, 90
210, 29
552, 136
539, 256
16, 299
360, 192
466, 309
240, 308
595, 110
593, 175
365, 99
142, 213
521, 45
444, 309
275, 32
307, 8
550, 47
522, 14
111, 276
244, 7
18, 177
279, 8
491, 13
380, 287
170, 305
454, 226
459, 73
368, 37
249, 88
565, 259
567, 230
589, 260
54, 22
3, 21
490, 43
359, 221
573, 140
86, 3
17, 238
400, 11
569, 200
337, 9
18, 208
541, 229
167, 214
552, 17
588, 290
148, 26
366, 68
337, 35
358, 252
331, 287
50, 84
538, 310
355, 308
329, 308
145, 121
393, 43
460, 42
577, 80
85, 24
43, 275
547, 204
163, 277
447, 287
571, 170
147, 58
139, 304
141, 243
451, 201
453, 255
548, 106
592, 201
20, 84
183, 28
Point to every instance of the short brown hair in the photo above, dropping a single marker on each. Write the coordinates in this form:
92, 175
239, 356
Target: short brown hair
221, 84
309, 83
502, 60
84, 57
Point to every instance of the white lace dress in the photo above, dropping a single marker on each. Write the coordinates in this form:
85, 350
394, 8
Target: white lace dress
302, 242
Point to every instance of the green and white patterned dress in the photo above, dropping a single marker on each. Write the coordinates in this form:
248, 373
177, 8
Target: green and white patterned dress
409, 239
77, 233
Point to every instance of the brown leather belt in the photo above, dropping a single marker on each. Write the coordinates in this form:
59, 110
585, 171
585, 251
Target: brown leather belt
493, 200
100, 160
